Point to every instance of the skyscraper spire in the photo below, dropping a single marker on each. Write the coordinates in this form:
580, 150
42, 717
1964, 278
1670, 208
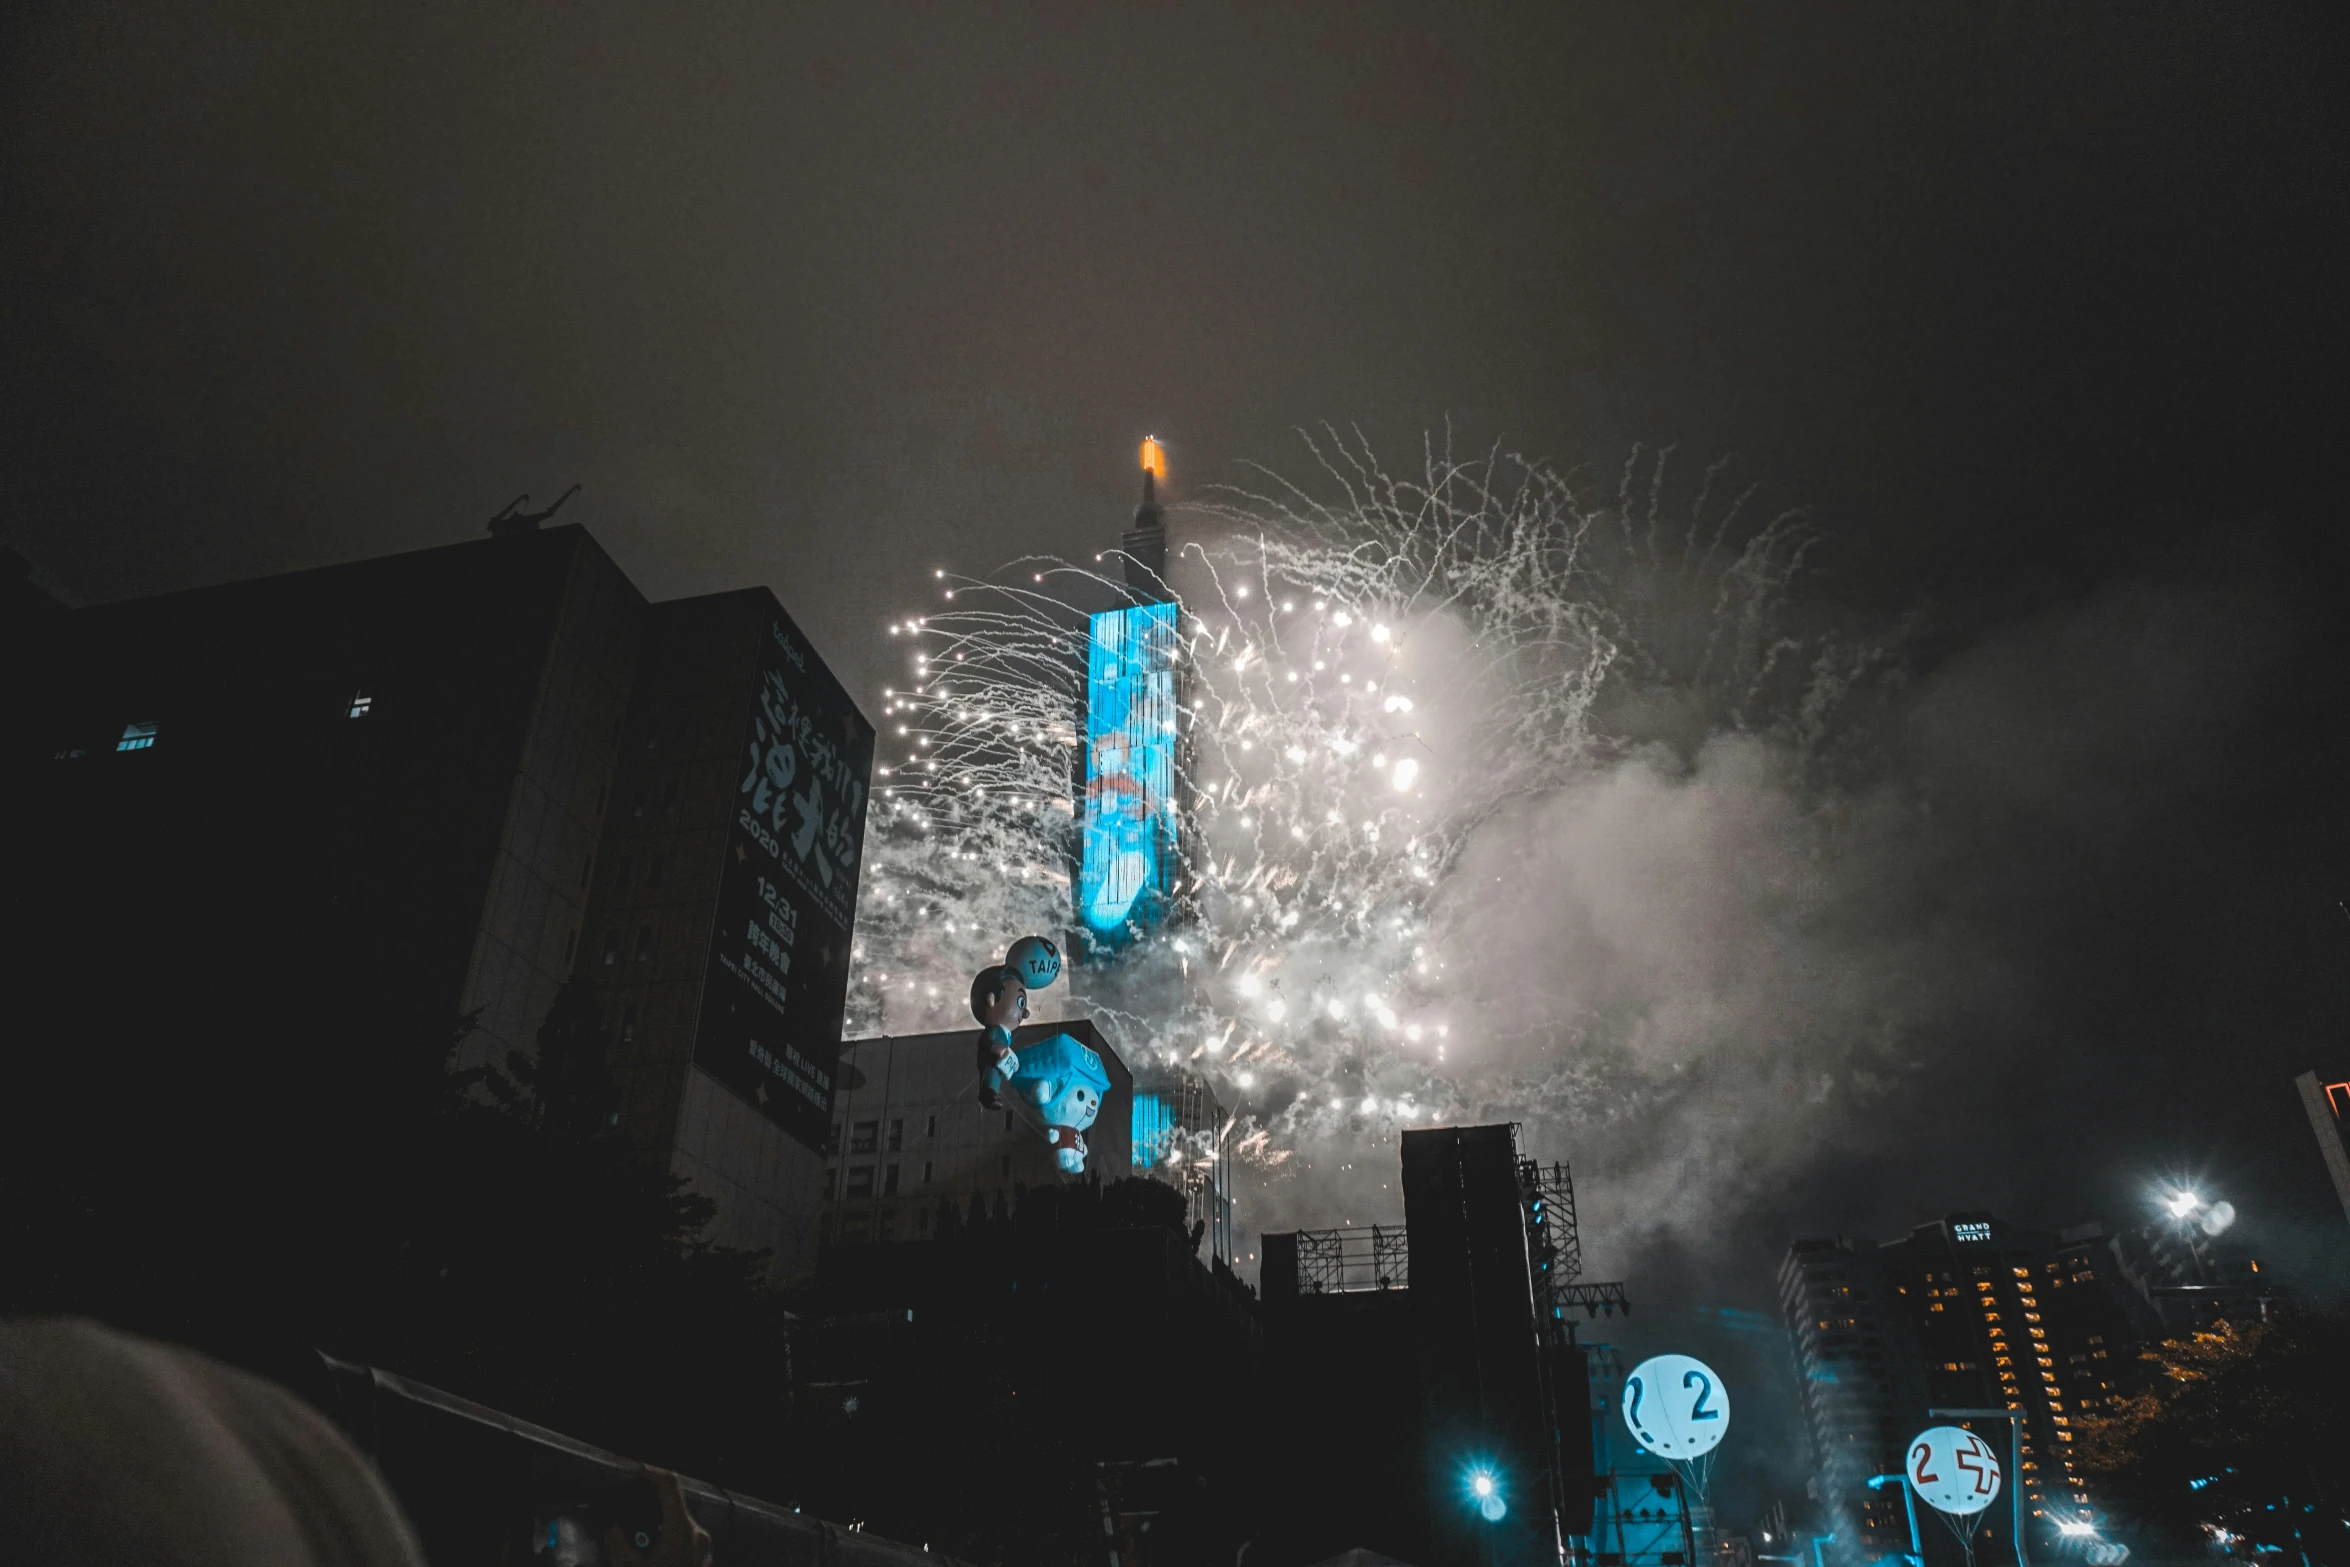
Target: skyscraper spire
1146, 541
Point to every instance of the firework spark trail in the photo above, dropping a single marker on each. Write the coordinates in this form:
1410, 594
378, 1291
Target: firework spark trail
1374, 670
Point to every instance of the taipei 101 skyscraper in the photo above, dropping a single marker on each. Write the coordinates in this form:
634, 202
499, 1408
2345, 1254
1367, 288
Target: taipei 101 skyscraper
1127, 851
1130, 867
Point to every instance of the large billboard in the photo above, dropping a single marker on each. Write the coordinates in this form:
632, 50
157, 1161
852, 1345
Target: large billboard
1126, 855
787, 899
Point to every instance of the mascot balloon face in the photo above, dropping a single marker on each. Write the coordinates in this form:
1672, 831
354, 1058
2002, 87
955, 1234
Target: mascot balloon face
1065, 1082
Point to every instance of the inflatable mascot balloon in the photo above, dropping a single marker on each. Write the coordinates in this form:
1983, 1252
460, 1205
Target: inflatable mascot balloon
1036, 960
1061, 1077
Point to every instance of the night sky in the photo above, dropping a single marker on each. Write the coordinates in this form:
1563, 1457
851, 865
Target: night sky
2038, 309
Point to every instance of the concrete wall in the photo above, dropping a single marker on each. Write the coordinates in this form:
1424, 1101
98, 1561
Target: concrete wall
532, 922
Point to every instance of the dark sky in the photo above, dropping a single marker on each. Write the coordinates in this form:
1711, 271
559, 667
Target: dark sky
2040, 309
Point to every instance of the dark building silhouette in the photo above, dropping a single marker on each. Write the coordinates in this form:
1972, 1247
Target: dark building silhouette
1424, 1387
1068, 1344
461, 782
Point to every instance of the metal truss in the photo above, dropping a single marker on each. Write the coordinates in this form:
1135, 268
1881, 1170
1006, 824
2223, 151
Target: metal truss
1336, 1262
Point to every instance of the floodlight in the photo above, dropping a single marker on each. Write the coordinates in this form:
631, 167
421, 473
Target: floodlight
1482, 1485
2182, 1204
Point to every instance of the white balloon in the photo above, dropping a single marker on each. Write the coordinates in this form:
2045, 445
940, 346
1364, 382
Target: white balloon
1675, 1406
1953, 1469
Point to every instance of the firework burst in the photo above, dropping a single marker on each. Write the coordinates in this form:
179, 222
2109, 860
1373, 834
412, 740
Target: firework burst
1374, 667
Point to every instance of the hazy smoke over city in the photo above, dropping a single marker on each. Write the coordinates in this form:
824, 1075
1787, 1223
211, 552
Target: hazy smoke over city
1519, 794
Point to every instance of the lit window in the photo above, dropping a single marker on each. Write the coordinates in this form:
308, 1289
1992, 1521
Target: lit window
360, 703
136, 737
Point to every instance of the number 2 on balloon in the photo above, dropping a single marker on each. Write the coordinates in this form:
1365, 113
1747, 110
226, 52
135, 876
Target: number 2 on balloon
1705, 1390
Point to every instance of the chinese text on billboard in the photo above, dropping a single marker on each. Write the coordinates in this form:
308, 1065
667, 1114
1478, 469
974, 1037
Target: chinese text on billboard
779, 971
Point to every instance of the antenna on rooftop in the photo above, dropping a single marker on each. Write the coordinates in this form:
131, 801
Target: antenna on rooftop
514, 520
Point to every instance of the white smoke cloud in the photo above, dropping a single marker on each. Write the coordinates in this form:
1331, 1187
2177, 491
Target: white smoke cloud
1688, 892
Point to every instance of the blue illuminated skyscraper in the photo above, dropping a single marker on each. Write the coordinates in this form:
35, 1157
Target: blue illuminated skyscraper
1127, 849
1127, 854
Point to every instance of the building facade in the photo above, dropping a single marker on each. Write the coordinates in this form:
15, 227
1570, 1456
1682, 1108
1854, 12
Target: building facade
718, 936
1966, 1312
465, 782
1861, 1380
1178, 1137
908, 1133
2325, 1104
